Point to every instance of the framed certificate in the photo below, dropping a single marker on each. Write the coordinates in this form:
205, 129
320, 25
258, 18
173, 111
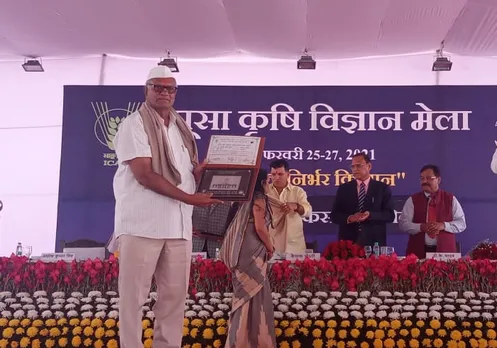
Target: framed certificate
233, 166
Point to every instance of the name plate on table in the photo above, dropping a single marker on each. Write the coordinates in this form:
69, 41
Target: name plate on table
54, 257
201, 254
302, 256
233, 163
443, 256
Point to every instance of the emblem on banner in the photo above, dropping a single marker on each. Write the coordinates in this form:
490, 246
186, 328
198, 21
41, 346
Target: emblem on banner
106, 125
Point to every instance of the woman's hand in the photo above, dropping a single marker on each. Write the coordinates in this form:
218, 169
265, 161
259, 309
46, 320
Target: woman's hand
270, 252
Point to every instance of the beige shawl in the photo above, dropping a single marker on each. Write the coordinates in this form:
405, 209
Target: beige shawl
162, 162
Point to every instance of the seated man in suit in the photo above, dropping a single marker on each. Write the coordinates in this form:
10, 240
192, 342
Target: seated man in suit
363, 206
209, 227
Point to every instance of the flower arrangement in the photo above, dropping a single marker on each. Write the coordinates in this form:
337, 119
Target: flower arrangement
343, 249
484, 250
305, 319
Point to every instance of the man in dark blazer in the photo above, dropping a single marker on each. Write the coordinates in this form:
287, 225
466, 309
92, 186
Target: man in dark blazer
363, 206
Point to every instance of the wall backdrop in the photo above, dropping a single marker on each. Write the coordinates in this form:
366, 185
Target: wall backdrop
317, 129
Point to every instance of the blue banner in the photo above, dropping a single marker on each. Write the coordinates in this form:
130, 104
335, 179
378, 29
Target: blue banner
317, 129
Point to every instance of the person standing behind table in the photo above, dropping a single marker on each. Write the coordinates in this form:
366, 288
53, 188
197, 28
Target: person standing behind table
246, 250
432, 217
288, 234
154, 187
363, 206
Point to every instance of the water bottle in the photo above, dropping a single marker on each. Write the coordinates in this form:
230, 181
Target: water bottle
217, 254
19, 249
376, 249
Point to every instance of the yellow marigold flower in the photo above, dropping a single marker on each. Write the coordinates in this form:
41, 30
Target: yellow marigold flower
85, 322
377, 343
342, 334
3, 322
319, 323
186, 321
77, 330
284, 344
32, 331
19, 331
389, 343
290, 331
466, 333
196, 345
295, 323
426, 342
317, 343
466, 324
331, 323
99, 332
35, 343
442, 333
364, 345
490, 324
435, 324
145, 324
491, 334
49, 343
50, 322
88, 331
197, 322
62, 342
330, 333
217, 344
316, 333
420, 323
452, 344
477, 333
44, 332
221, 330
379, 334
110, 333
359, 323
438, 343
345, 323
276, 322
210, 322
14, 323
355, 333
384, 324
340, 344
369, 335
404, 332
221, 322
148, 343
296, 344
285, 323
371, 323
62, 321
429, 332
473, 343
450, 324
478, 324
492, 344
25, 342
306, 323
109, 323
208, 334
395, 324
76, 341
401, 343
8, 332
98, 344
391, 333
415, 332
112, 343
456, 335
3, 343
304, 331
408, 323
37, 323
54, 332
194, 332
278, 332
413, 343
148, 333
185, 331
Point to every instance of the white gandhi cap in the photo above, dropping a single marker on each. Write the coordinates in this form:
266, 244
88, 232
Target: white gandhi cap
160, 72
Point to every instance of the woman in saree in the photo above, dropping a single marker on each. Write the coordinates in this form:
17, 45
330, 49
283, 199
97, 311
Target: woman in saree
246, 249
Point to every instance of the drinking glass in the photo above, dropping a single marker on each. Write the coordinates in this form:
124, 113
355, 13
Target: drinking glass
27, 250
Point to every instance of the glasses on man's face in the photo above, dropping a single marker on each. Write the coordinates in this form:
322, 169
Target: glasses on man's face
160, 88
427, 178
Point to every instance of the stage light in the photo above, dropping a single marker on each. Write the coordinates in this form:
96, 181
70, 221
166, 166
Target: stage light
32, 65
441, 64
170, 62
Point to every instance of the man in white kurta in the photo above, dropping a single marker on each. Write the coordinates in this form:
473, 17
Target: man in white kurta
153, 219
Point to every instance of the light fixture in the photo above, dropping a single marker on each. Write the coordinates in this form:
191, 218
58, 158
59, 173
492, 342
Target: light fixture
170, 62
306, 62
441, 63
32, 65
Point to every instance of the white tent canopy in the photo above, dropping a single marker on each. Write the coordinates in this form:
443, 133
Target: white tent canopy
192, 29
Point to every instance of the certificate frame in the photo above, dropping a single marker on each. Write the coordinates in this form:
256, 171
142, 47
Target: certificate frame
232, 182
